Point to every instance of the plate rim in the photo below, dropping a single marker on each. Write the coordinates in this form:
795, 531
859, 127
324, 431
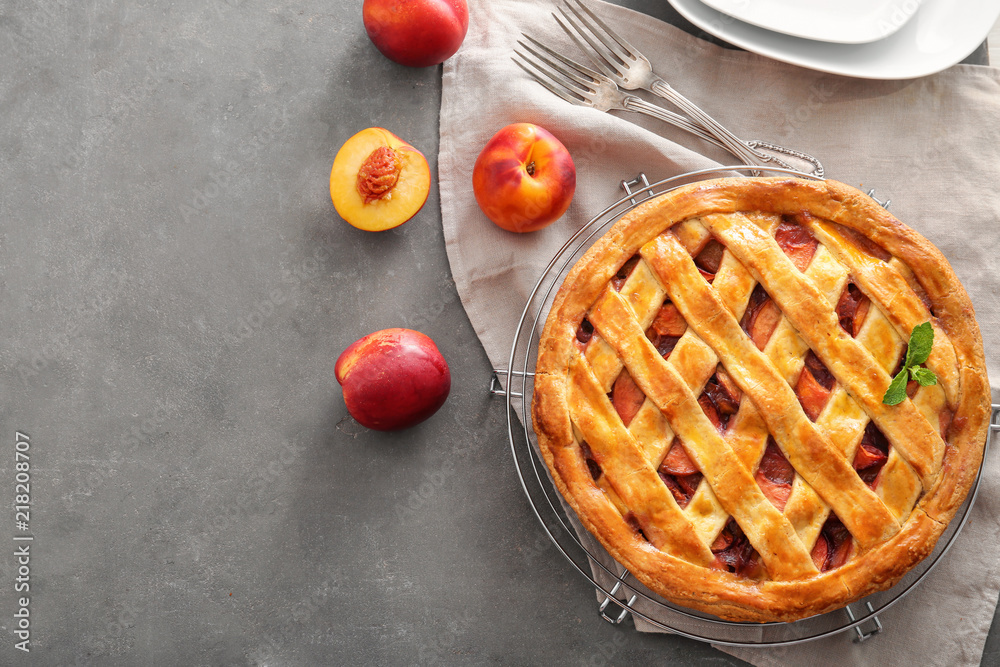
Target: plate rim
897, 64
781, 16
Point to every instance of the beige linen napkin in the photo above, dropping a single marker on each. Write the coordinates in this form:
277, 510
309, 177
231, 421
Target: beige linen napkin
929, 144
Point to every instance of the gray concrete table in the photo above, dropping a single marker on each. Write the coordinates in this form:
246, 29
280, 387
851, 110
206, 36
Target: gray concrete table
176, 288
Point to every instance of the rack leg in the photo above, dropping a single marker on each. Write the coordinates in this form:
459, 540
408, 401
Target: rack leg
859, 634
608, 599
883, 204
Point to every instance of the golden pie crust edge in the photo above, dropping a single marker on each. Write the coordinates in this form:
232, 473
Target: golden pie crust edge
720, 593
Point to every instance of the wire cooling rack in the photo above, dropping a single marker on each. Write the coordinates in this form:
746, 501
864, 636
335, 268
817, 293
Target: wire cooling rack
621, 595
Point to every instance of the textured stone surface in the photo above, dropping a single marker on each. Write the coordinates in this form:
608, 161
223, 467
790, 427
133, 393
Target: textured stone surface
176, 289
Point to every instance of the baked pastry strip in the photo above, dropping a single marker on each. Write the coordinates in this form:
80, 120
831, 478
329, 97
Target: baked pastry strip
784, 556
632, 477
903, 425
885, 286
602, 480
844, 422
809, 451
785, 348
654, 435
805, 508
697, 362
645, 294
692, 358
747, 433
648, 427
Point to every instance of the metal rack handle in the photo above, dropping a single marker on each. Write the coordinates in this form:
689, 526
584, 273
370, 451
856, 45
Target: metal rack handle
496, 387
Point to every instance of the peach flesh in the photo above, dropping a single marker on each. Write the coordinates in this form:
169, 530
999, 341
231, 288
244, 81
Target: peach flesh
393, 379
378, 181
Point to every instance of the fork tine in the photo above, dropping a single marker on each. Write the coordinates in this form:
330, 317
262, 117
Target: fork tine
581, 69
616, 43
561, 92
577, 72
598, 49
575, 34
555, 74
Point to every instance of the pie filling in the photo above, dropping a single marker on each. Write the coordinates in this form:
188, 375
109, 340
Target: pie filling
796, 241
624, 273
814, 386
834, 546
733, 552
633, 522
709, 259
666, 330
720, 399
761, 317
771, 418
680, 474
852, 308
627, 397
588, 457
775, 475
584, 333
872, 454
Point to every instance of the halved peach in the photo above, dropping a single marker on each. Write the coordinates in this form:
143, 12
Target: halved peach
378, 181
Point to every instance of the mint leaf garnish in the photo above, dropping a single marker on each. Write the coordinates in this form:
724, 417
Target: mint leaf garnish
921, 342
924, 376
896, 392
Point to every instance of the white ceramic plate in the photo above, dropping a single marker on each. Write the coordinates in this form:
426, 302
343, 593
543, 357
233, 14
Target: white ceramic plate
940, 34
840, 21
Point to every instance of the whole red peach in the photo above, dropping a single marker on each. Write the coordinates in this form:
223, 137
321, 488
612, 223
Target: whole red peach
524, 178
393, 379
416, 33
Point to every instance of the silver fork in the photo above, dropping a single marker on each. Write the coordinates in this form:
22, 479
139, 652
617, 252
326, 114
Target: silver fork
631, 70
581, 85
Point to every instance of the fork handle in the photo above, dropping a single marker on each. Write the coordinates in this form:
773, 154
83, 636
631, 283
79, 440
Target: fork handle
633, 103
736, 146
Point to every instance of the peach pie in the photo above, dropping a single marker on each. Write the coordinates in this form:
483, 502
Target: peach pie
712, 396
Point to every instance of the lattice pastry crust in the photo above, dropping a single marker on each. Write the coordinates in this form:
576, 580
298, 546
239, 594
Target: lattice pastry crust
708, 396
